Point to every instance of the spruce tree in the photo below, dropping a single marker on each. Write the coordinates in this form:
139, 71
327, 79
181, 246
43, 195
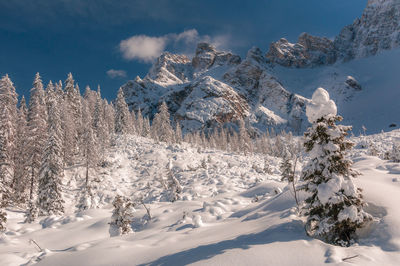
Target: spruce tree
21, 174
139, 123
52, 172
91, 157
72, 118
100, 127
245, 144
178, 133
146, 127
122, 115
37, 132
8, 118
334, 208
161, 129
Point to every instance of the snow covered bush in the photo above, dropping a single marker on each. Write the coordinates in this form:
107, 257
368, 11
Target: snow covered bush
335, 205
288, 172
32, 212
122, 216
395, 154
174, 187
3, 220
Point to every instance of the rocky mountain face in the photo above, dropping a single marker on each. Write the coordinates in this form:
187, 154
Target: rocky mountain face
217, 88
378, 29
308, 52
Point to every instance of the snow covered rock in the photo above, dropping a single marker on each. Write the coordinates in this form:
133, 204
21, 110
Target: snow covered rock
207, 56
308, 52
353, 83
211, 102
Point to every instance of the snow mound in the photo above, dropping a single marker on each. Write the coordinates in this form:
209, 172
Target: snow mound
320, 106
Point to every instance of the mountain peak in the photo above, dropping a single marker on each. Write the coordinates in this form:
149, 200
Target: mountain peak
207, 56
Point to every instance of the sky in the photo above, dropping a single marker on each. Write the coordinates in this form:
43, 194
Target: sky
108, 42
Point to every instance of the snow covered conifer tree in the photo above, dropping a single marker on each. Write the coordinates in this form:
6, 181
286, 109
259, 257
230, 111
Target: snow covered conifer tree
335, 206
91, 157
100, 127
21, 173
146, 127
139, 123
8, 116
122, 216
72, 118
122, 114
37, 132
161, 129
245, 143
51, 172
178, 133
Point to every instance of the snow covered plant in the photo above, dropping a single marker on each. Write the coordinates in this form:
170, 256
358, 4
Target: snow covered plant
175, 188
122, 216
3, 220
395, 154
334, 206
288, 171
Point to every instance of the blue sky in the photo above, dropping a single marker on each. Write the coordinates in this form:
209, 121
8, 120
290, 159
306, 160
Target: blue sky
91, 37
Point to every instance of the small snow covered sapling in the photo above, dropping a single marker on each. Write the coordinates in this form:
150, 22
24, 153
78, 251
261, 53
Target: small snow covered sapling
122, 216
288, 172
395, 154
3, 220
334, 206
175, 188
32, 212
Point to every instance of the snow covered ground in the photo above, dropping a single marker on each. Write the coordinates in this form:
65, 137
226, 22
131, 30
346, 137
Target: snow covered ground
234, 211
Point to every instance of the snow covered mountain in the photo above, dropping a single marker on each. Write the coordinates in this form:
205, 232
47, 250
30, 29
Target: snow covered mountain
217, 88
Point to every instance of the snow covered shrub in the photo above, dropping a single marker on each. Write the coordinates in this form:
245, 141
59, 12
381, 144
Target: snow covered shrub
122, 216
395, 154
3, 220
288, 172
175, 188
32, 212
86, 199
335, 206
372, 150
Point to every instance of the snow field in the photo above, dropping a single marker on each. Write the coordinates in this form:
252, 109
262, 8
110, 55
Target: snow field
231, 213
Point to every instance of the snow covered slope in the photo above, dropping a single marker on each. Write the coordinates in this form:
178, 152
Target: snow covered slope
232, 213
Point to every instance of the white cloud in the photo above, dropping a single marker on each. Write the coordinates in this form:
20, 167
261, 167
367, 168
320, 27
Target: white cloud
142, 47
113, 73
146, 48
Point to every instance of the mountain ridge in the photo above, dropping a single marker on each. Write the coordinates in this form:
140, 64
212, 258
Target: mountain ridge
217, 88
